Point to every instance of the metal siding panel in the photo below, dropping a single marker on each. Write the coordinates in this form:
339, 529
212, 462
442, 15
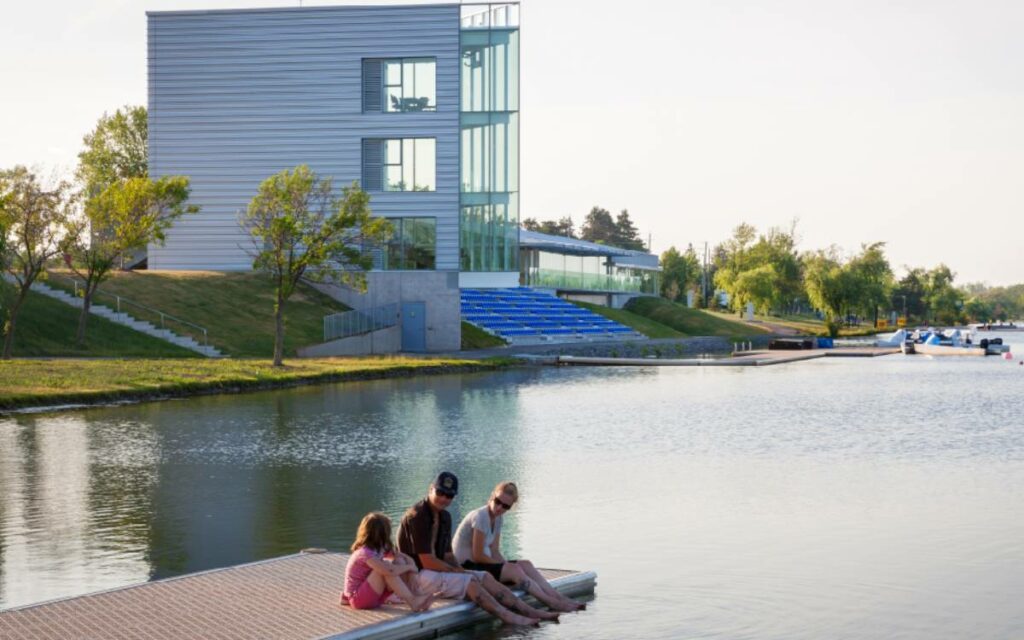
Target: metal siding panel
237, 95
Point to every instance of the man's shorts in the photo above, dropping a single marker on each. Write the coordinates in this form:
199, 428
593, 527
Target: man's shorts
445, 585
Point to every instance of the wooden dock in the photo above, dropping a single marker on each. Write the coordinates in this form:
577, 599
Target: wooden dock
293, 597
741, 359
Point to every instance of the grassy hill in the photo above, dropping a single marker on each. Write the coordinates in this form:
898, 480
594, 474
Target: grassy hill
639, 323
690, 322
46, 327
236, 308
473, 337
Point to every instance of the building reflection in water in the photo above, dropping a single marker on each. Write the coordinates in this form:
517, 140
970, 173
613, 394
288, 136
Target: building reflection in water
107, 497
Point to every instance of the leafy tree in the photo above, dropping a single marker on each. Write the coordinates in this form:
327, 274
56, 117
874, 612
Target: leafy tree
828, 287
599, 227
561, 227
872, 277
911, 291
114, 150
123, 218
943, 299
36, 218
627, 236
680, 272
300, 228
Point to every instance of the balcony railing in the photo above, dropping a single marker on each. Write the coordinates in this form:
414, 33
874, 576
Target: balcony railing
591, 281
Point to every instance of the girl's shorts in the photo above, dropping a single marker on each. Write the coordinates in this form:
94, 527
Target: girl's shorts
365, 597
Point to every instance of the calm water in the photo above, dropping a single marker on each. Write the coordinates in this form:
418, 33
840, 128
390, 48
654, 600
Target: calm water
833, 498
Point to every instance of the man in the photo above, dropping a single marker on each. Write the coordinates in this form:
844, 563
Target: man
425, 534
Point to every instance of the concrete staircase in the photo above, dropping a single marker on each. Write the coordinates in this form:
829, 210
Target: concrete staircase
128, 321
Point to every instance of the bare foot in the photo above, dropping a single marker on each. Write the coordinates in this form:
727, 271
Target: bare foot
422, 603
516, 619
548, 615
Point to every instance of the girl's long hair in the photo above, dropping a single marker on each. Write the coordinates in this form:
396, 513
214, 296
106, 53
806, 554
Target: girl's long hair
375, 533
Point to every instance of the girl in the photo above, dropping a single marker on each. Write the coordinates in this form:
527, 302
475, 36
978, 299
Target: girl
477, 547
369, 577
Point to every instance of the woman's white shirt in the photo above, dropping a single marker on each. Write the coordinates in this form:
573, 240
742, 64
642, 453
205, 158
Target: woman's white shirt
478, 520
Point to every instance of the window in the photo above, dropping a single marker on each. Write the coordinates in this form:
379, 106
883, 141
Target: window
412, 245
400, 84
399, 164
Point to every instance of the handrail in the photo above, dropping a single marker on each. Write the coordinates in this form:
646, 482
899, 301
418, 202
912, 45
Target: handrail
355, 322
130, 303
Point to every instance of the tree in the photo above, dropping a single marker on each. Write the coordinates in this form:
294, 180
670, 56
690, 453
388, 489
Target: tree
872, 277
36, 219
114, 150
123, 218
943, 299
828, 287
300, 228
561, 227
679, 272
627, 236
599, 227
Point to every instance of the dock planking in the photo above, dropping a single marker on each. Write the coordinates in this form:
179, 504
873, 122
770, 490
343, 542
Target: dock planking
292, 597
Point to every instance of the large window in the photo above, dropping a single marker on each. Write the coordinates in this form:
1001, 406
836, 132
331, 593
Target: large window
399, 164
400, 84
412, 246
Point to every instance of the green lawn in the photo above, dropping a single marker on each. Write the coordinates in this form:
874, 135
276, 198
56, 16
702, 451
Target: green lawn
473, 337
47, 327
690, 322
47, 382
639, 323
236, 308
811, 326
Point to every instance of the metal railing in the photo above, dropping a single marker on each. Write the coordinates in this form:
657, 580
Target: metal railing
353, 323
487, 15
139, 311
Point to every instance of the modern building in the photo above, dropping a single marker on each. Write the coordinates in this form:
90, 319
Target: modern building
419, 103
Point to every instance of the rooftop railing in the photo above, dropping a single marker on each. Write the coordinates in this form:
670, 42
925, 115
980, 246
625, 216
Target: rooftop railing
489, 16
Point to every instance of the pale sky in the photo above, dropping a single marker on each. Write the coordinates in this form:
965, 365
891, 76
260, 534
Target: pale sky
900, 121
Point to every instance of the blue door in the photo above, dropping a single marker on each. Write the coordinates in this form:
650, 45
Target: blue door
414, 327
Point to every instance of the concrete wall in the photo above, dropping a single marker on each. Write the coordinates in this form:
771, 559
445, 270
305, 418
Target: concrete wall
376, 342
238, 95
439, 290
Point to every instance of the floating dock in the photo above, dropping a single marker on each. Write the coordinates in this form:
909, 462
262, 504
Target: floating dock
293, 597
739, 359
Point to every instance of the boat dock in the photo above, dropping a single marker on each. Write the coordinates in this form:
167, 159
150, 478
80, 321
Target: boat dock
292, 597
740, 359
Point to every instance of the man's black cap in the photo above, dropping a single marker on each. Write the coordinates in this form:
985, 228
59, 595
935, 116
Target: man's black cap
447, 482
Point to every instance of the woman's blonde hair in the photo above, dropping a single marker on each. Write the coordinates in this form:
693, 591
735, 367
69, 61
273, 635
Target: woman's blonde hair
375, 533
506, 487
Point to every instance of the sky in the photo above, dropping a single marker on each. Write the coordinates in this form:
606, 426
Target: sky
881, 120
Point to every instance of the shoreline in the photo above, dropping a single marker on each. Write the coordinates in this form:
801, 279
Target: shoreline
255, 375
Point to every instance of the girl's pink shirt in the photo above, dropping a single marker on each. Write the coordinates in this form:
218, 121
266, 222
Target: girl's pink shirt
357, 571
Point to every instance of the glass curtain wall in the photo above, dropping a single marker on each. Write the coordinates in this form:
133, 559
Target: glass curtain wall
586, 273
489, 120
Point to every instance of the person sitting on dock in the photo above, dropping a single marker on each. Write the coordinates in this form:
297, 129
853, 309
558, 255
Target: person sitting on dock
425, 534
477, 547
370, 578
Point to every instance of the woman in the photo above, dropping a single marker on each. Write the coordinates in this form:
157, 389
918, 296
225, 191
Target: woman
477, 547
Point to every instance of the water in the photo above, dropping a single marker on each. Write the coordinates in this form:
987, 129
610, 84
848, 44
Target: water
841, 498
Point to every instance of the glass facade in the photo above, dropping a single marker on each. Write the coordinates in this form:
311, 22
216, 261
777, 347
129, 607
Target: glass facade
412, 246
588, 273
489, 123
410, 84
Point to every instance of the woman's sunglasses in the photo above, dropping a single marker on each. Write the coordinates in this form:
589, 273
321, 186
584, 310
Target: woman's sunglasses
503, 505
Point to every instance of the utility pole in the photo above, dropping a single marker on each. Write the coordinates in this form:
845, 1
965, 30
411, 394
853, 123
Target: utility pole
704, 277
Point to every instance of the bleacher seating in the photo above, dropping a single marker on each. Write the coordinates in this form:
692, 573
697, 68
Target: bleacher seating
523, 315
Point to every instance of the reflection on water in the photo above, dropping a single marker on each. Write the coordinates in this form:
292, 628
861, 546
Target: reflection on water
839, 498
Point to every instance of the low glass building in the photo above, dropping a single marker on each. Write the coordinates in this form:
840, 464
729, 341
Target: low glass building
572, 267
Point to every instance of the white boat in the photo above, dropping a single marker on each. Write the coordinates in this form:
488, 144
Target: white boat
934, 342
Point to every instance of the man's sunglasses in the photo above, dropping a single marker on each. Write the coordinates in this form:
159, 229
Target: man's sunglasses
503, 505
445, 494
